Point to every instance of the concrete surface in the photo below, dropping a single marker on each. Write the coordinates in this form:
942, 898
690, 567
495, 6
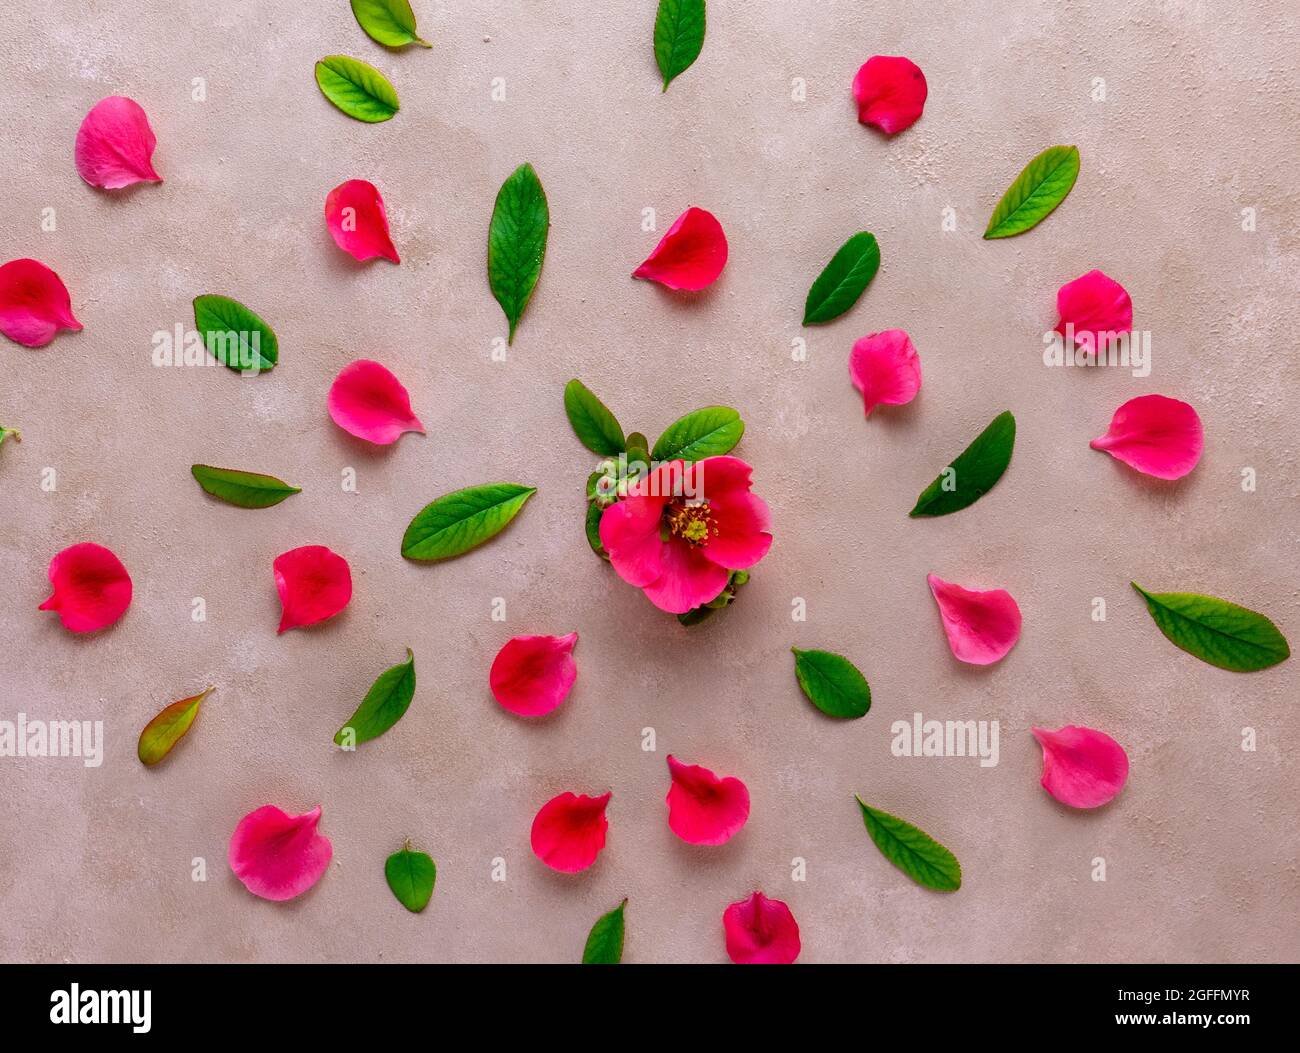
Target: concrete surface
1199, 121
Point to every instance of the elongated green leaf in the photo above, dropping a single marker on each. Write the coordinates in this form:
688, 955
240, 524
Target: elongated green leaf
679, 36
594, 512
842, 281
1043, 185
357, 88
168, 727
10, 433
245, 489
594, 424
384, 705
973, 473
1217, 631
234, 335
832, 683
411, 876
913, 851
708, 432
517, 242
605, 941
463, 520
389, 22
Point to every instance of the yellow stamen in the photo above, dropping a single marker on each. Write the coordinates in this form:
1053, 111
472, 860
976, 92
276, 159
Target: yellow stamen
691, 523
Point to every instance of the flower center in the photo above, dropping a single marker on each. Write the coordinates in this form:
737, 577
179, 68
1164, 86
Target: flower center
691, 522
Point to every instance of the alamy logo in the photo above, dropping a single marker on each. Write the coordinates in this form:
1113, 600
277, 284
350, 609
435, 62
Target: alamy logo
54, 738
76, 1006
946, 738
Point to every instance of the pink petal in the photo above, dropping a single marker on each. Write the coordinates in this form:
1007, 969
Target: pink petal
569, 831
367, 401
1082, 767
884, 367
355, 214
115, 145
702, 808
92, 589
690, 256
688, 579
532, 675
890, 91
1097, 307
981, 626
761, 931
314, 584
34, 303
629, 533
1156, 435
279, 856
743, 536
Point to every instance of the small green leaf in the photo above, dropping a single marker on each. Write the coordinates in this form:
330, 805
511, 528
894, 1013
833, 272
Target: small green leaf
517, 242
168, 727
913, 851
245, 489
411, 876
593, 423
384, 705
6, 433
463, 520
234, 335
605, 941
973, 473
1043, 185
842, 281
388, 22
679, 36
832, 683
1216, 631
357, 88
708, 432
594, 512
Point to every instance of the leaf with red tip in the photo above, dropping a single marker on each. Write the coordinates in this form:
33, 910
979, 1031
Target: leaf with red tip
168, 728
115, 145
92, 589
1082, 767
761, 931
279, 856
704, 809
367, 401
532, 675
690, 256
358, 223
1095, 310
314, 584
34, 303
1156, 435
884, 367
981, 626
890, 92
569, 831
13, 433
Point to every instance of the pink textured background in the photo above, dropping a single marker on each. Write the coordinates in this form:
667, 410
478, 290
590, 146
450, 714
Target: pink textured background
1200, 121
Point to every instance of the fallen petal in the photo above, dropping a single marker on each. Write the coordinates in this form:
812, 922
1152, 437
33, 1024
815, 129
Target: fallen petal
702, 808
569, 831
1095, 309
690, 256
532, 675
884, 367
314, 584
115, 145
981, 626
890, 91
1082, 767
355, 214
761, 931
34, 303
367, 401
1156, 435
279, 856
92, 589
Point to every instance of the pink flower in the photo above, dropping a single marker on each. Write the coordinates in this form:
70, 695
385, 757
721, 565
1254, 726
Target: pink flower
690, 256
890, 91
761, 931
279, 856
355, 215
34, 303
884, 367
115, 145
684, 528
1096, 309
1156, 435
314, 584
569, 831
981, 626
92, 589
532, 675
1082, 767
367, 401
702, 808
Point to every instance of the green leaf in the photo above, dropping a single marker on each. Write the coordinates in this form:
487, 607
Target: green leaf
1217, 631
168, 727
245, 489
463, 520
679, 36
973, 473
594, 512
234, 335
384, 705
411, 876
7, 432
357, 88
707, 432
389, 22
832, 683
842, 281
517, 242
605, 941
913, 851
594, 424
1043, 185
